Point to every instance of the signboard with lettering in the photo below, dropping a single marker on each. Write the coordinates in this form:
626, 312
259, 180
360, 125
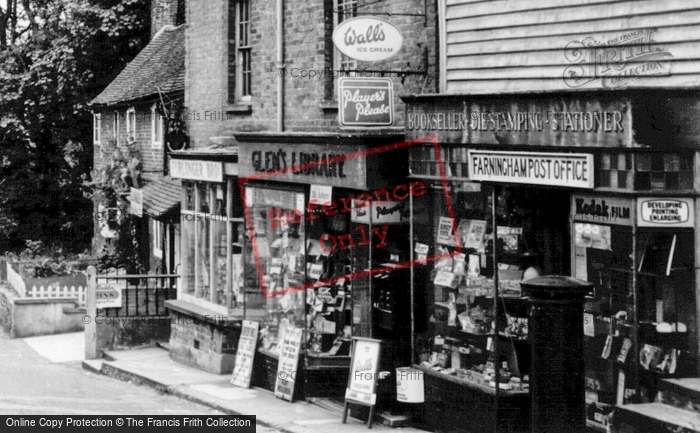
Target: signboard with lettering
320, 194
603, 209
367, 39
207, 171
665, 212
386, 212
364, 371
521, 121
305, 163
365, 102
574, 170
245, 354
136, 200
108, 295
288, 362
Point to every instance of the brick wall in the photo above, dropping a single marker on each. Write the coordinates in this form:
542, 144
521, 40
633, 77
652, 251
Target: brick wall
308, 46
163, 13
203, 343
151, 156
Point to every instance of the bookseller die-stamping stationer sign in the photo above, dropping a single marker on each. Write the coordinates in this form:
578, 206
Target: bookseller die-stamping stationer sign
365, 102
573, 170
367, 39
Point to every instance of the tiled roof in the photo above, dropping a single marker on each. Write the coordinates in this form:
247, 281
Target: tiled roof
160, 65
161, 196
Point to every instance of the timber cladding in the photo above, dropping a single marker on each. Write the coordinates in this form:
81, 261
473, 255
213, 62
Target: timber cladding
553, 45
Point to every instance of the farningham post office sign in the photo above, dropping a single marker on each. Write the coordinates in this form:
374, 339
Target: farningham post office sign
365, 102
574, 170
367, 39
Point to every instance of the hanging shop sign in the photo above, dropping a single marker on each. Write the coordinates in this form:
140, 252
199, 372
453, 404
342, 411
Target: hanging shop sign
136, 200
330, 165
207, 171
365, 102
573, 170
521, 121
602, 209
367, 39
243, 369
665, 212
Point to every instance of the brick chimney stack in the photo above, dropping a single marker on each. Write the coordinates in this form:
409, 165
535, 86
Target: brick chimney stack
166, 13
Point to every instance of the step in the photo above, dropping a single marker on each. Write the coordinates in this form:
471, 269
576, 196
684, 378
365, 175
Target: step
654, 418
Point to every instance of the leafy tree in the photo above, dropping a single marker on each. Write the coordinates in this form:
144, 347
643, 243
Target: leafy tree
55, 56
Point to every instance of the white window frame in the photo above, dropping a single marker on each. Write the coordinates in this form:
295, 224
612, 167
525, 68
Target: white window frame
115, 125
198, 215
157, 230
156, 121
97, 128
339, 59
238, 95
130, 126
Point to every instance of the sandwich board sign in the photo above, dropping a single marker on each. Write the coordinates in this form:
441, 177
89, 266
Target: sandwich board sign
289, 359
245, 354
362, 381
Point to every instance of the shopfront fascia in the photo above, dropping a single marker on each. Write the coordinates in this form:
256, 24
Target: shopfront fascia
584, 186
318, 237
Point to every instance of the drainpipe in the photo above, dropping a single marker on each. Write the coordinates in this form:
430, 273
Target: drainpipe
280, 65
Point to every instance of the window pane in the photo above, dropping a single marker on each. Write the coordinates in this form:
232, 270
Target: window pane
202, 265
220, 242
279, 240
187, 222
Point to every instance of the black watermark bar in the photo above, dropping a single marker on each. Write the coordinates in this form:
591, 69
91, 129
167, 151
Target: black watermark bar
122, 423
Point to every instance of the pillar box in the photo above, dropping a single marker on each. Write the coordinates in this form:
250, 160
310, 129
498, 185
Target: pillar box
557, 382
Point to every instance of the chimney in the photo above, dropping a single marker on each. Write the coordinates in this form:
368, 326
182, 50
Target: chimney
166, 13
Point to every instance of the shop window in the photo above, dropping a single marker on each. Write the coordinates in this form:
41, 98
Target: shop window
97, 128
641, 319
212, 239
455, 226
276, 253
239, 52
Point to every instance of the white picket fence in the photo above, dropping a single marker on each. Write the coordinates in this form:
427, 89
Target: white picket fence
56, 291
50, 290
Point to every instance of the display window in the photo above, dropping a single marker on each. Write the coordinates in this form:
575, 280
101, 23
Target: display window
455, 224
212, 228
640, 325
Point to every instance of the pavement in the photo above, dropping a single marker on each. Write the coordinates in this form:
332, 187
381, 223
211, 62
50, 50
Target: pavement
152, 366
44, 376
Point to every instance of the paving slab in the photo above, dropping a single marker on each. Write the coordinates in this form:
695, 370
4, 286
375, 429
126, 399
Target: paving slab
67, 347
153, 366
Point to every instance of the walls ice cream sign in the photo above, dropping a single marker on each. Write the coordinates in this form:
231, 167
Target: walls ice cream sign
367, 39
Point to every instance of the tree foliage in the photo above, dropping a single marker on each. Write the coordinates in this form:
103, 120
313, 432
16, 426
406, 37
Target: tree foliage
55, 56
